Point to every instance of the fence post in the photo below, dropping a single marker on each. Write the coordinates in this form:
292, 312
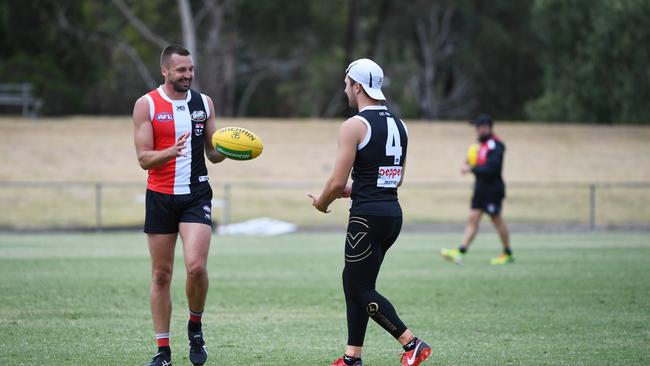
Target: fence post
24, 90
226, 203
98, 206
592, 206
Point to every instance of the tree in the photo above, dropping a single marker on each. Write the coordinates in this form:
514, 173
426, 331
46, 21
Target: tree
455, 59
214, 52
500, 56
442, 90
573, 60
37, 50
596, 61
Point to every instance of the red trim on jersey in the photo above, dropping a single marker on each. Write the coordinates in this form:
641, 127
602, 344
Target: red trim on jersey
483, 151
481, 155
161, 179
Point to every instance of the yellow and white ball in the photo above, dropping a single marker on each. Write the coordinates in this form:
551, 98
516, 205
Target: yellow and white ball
472, 154
237, 143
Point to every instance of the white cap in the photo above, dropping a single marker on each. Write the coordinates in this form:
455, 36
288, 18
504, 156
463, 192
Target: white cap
367, 73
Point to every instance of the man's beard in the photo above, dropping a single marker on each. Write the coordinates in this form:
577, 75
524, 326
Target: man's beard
484, 138
351, 102
181, 88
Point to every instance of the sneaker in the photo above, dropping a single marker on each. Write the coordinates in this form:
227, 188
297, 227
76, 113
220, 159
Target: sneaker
339, 362
502, 259
452, 255
417, 355
198, 351
161, 359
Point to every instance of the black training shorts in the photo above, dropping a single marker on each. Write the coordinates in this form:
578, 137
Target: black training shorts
165, 211
487, 204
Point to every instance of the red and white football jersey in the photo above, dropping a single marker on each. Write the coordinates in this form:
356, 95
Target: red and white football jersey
170, 119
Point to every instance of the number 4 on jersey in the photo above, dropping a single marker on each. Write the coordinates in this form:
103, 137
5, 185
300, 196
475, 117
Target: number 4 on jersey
393, 142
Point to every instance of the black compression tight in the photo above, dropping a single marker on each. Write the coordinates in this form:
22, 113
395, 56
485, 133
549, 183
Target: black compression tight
368, 239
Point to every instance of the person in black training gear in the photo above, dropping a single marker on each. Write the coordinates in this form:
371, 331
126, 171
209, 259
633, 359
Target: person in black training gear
486, 163
373, 146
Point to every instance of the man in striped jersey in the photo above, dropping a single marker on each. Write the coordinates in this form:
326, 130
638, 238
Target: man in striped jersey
172, 128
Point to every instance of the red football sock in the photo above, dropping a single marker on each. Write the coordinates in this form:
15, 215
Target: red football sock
196, 317
162, 339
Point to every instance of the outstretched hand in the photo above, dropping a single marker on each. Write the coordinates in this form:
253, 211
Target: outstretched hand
465, 169
314, 202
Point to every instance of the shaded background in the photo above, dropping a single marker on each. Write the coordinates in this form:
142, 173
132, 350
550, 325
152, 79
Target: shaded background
544, 60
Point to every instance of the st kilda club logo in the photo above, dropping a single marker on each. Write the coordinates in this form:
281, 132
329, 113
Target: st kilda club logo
198, 129
198, 116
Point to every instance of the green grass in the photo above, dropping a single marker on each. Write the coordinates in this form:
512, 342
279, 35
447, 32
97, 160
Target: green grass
570, 299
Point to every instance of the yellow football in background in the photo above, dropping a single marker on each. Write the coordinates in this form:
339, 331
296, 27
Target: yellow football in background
237, 143
472, 154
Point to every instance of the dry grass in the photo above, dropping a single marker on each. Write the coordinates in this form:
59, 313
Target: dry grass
101, 149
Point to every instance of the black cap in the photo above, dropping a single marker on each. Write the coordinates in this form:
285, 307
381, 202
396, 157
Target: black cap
482, 119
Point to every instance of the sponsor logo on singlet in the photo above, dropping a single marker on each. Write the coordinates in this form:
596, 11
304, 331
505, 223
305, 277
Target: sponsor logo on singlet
389, 176
198, 116
164, 117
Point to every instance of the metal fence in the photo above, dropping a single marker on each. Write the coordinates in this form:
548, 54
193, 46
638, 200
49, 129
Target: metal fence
35, 205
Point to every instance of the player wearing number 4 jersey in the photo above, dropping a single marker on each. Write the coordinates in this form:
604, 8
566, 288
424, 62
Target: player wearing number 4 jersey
372, 145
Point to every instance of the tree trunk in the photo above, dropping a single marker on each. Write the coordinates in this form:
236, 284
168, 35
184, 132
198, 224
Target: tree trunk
377, 30
217, 68
189, 34
434, 36
187, 26
337, 104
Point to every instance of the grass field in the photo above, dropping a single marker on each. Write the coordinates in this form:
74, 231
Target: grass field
568, 300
